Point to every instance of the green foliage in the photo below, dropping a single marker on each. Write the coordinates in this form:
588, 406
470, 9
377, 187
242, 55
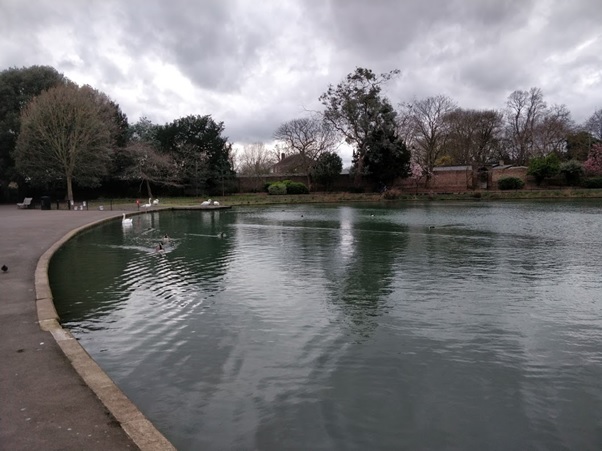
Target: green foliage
508, 183
201, 154
572, 171
387, 156
295, 187
290, 187
17, 88
544, 167
356, 109
328, 166
141, 161
277, 189
144, 131
595, 182
578, 145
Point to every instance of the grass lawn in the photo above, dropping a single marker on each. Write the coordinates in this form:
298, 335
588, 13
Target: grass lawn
323, 197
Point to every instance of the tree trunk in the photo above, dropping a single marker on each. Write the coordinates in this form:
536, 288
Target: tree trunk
357, 179
69, 189
148, 189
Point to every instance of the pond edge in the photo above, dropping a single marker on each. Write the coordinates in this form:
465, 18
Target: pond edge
142, 432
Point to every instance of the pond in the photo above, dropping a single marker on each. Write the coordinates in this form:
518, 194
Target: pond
456, 325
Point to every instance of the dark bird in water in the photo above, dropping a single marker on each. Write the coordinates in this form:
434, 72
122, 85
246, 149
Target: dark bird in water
4, 268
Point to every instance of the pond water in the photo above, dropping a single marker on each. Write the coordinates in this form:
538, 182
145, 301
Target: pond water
467, 326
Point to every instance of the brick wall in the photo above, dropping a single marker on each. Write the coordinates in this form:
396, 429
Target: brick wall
444, 180
510, 171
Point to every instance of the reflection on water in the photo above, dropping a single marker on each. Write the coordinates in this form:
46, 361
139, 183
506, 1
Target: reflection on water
435, 326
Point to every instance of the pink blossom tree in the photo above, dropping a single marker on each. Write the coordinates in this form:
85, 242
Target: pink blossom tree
416, 172
593, 164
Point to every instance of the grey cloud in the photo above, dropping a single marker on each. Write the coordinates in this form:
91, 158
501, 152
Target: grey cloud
384, 27
271, 60
211, 42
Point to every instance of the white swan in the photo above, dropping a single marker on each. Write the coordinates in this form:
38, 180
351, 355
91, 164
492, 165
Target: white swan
148, 205
155, 202
206, 203
126, 221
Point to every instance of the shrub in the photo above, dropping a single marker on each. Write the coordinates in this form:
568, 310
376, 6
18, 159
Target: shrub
277, 189
507, 183
543, 167
296, 188
572, 171
266, 186
595, 182
392, 194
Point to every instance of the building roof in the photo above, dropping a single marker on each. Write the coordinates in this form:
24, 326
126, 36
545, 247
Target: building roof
289, 165
451, 168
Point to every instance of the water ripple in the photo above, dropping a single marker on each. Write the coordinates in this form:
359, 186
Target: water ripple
453, 326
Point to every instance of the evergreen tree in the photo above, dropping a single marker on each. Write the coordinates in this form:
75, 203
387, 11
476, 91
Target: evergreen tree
328, 166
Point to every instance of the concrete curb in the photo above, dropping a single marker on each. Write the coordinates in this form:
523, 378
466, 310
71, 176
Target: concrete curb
132, 421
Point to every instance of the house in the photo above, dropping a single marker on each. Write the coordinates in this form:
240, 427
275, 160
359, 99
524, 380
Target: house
293, 164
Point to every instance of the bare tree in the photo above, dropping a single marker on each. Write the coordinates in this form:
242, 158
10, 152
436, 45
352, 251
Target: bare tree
142, 160
552, 131
309, 138
255, 160
474, 135
427, 130
64, 135
524, 110
147, 165
594, 124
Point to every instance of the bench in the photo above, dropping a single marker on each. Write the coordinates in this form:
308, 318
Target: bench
26, 203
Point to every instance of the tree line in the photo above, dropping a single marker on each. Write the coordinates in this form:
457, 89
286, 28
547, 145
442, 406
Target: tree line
55, 135
415, 137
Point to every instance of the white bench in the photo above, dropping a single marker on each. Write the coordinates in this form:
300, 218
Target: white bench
26, 203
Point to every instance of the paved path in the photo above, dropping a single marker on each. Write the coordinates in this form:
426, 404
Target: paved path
44, 403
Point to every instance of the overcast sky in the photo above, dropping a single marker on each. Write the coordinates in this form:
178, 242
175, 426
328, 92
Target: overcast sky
255, 64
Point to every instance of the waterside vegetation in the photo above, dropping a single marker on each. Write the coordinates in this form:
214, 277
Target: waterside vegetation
247, 199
